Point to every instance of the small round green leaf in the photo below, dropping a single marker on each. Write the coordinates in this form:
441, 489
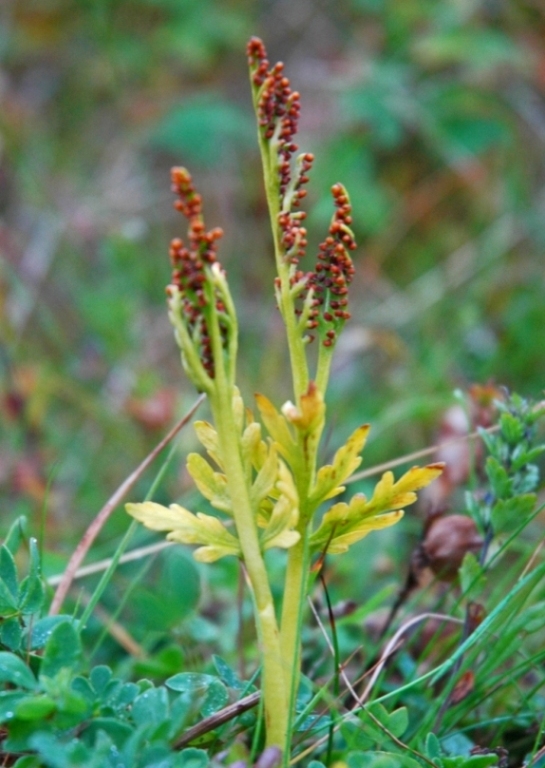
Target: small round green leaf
192, 758
35, 707
62, 650
14, 670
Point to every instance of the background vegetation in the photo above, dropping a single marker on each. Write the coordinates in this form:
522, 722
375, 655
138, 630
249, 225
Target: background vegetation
432, 113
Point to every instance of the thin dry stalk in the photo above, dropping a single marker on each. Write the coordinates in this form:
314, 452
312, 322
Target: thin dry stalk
218, 718
390, 648
394, 642
102, 565
95, 527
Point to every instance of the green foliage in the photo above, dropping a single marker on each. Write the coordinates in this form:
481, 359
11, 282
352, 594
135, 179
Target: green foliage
207, 131
429, 111
375, 728
207, 689
168, 604
511, 469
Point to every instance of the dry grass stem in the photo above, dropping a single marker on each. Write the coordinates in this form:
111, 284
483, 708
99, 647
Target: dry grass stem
218, 718
115, 499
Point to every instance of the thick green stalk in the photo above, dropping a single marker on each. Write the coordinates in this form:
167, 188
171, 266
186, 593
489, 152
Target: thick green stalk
296, 581
275, 690
294, 596
325, 355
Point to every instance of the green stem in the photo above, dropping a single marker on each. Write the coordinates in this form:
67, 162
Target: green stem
295, 591
274, 674
296, 579
296, 345
296, 582
325, 355
275, 691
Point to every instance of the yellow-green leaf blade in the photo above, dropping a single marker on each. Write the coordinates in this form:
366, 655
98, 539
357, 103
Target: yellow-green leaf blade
187, 528
209, 438
357, 531
266, 479
212, 485
279, 530
346, 460
278, 428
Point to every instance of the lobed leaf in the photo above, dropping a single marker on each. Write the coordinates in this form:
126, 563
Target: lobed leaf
507, 514
344, 524
279, 530
343, 532
278, 428
254, 449
212, 485
418, 477
502, 484
309, 417
208, 437
187, 528
266, 479
346, 460
390, 495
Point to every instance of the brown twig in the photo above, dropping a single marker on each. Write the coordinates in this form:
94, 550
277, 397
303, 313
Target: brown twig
96, 525
218, 718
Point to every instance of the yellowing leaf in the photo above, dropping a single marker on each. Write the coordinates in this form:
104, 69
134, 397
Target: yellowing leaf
154, 516
278, 429
264, 512
393, 495
211, 532
384, 490
239, 411
402, 499
286, 486
418, 477
341, 543
208, 437
187, 528
266, 479
254, 449
249, 415
310, 415
212, 485
347, 459
344, 523
279, 530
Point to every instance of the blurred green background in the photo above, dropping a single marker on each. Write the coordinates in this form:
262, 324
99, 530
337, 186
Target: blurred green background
431, 112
